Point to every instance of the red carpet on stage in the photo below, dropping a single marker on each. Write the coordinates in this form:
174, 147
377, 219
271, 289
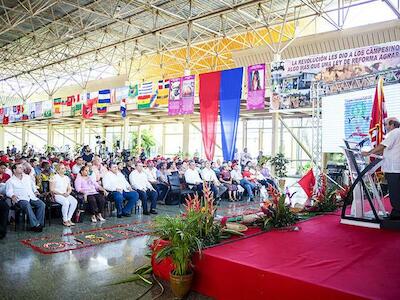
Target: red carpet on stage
323, 260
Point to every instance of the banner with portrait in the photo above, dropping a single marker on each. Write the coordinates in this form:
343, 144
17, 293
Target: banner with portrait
175, 96
256, 86
291, 79
188, 87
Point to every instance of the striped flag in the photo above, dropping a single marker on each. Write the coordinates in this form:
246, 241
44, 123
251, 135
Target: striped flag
378, 115
103, 100
57, 103
163, 92
145, 95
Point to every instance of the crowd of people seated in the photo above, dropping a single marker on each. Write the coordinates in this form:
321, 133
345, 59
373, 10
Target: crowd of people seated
29, 181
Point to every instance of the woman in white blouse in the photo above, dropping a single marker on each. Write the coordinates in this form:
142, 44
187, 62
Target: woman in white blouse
60, 186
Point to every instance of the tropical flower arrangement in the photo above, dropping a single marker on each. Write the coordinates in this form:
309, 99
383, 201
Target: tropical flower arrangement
276, 213
326, 199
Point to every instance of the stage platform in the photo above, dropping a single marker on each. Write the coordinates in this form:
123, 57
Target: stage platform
323, 260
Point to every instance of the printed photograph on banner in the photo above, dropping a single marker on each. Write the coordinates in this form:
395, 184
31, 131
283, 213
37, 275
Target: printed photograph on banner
175, 90
357, 114
188, 86
256, 86
174, 99
291, 79
187, 102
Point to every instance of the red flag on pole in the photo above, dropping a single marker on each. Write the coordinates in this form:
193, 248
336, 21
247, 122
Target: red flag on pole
378, 115
307, 182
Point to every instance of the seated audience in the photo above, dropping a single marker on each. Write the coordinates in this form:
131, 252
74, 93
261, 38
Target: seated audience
61, 188
238, 178
226, 178
114, 181
98, 169
139, 180
192, 178
3, 175
162, 178
79, 163
210, 177
90, 189
152, 176
24, 194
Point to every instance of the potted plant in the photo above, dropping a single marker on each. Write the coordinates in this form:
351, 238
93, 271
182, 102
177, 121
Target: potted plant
279, 162
183, 243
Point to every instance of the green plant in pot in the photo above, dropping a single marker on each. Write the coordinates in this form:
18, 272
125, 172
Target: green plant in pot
279, 163
184, 242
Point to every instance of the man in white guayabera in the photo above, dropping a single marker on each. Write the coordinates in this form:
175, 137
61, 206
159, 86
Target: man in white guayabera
390, 148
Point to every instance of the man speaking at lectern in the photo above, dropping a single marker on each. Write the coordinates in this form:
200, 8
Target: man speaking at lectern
390, 147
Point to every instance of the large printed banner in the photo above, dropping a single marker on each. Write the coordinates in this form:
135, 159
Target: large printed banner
357, 113
256, 86
291, 79
188, 85
181, 95
175, 97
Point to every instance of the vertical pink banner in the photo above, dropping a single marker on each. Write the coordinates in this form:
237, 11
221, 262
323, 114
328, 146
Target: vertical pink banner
188, 87
175, 96
256, 86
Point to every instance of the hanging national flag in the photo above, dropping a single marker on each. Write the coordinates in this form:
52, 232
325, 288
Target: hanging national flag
378, 116
38, 109
87, 110
70, 100
105, 96
47, 109
57, 103
6, 114
76, 106
25, 112
17, 113
307, 182
133, 91
123, 108
31, 111
162, 95
145, 95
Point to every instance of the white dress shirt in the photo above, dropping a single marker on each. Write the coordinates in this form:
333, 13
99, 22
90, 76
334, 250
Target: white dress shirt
209, 175
61, 183
391, 153
192, 177
23, 188
151, 174
236, 175
113, 182
140, 181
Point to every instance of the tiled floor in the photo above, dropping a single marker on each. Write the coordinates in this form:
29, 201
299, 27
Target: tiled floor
80, 274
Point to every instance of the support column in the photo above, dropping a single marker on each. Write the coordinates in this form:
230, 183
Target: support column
261, 137
244, 140
185, 137
125, 137
82, 129
2, 141
274, 141
23, 136
50, 134
281, 143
